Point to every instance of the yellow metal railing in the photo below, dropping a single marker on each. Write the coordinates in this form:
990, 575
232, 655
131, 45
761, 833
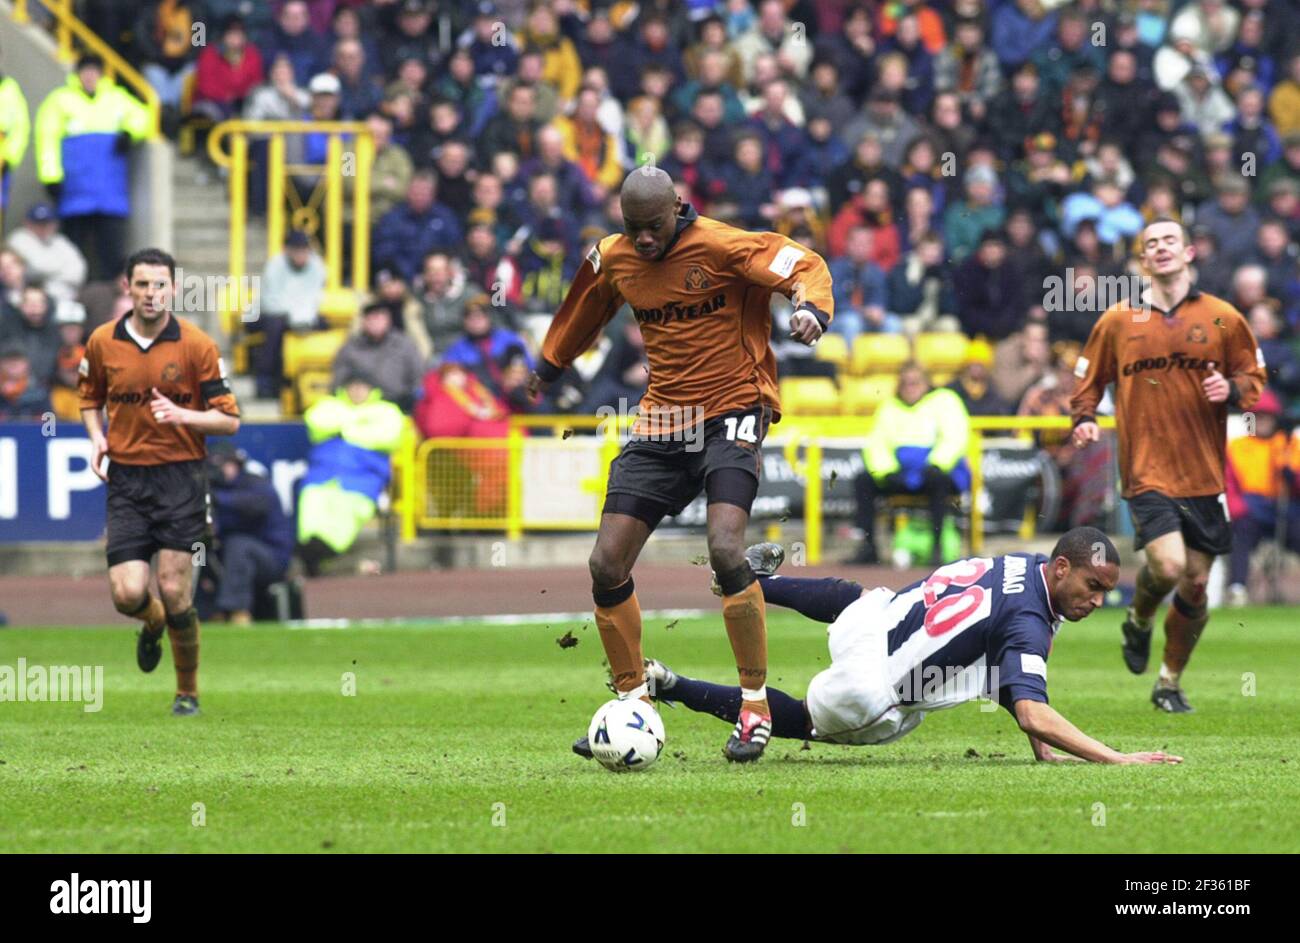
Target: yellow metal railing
403, 489
979, 425
326, 224
69, 31
478, 484
441, 478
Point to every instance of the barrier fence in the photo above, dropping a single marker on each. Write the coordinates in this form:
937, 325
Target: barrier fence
349, 153
550, 473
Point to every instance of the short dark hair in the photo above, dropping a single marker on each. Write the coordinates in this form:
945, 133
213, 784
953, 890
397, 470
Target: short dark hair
1081, 544
1187, 236
149, 257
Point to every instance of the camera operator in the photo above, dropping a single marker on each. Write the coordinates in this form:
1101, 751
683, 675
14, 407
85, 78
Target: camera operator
255, 538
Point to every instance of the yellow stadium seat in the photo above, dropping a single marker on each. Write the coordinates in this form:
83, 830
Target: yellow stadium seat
861, 396
809, 396
339, 307
314, 350
879, 353
834, 349
312, 386
941, 354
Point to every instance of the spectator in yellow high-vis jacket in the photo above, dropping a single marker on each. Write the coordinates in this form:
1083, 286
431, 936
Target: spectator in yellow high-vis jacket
353, 433
15, 128
917, 445
84, 133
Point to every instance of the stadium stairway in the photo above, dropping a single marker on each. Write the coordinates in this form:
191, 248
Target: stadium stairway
201, 223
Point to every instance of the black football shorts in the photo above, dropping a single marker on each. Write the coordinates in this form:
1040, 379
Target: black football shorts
668, 475
153, 507
1202, 521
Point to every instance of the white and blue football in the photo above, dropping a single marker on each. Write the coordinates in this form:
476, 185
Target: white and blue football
626, 736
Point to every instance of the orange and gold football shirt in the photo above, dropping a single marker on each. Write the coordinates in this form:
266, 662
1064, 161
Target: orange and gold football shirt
1171, 437
185, 366
703, 308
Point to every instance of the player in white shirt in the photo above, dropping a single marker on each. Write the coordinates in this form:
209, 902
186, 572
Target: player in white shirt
981, 627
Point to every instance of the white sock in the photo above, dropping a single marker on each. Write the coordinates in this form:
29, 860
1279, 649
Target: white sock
757, 694
1168, 678
638, 692
1144, 624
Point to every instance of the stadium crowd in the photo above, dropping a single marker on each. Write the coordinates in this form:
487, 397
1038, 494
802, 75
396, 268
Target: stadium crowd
950, 160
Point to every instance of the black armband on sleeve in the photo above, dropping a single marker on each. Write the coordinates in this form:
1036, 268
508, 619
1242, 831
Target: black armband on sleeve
1234, 393
548, 371
823, 319
1082, 419
211, 389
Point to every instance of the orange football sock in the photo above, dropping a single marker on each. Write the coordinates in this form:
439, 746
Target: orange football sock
183, 631
745, 614
618, 617
1184, 623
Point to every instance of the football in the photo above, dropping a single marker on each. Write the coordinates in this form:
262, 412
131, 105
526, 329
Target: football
626, 736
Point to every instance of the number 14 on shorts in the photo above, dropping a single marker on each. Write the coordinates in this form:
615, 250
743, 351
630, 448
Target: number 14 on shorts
742, 428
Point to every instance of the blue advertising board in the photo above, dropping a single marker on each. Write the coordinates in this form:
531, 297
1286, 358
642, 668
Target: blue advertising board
49, 492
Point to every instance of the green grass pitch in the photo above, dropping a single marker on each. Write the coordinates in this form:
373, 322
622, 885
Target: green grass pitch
457, 739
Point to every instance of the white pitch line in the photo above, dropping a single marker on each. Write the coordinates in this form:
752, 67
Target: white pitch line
533, 618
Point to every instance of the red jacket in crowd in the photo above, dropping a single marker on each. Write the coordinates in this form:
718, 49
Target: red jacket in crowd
217, 79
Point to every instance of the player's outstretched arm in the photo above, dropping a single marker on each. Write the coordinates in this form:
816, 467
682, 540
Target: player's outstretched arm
1045, 754
589, 305
1042, 722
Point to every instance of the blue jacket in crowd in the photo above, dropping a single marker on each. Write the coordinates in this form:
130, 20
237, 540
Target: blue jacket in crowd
250, 506
404, 237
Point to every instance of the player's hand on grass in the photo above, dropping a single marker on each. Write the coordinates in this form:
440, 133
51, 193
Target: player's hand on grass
1086, 432
165, 411
804, 328
1150, 758
1216, 387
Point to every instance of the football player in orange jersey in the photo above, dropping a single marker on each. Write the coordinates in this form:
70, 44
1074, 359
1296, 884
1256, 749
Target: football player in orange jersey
161, 382
700, 290
1179, 359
